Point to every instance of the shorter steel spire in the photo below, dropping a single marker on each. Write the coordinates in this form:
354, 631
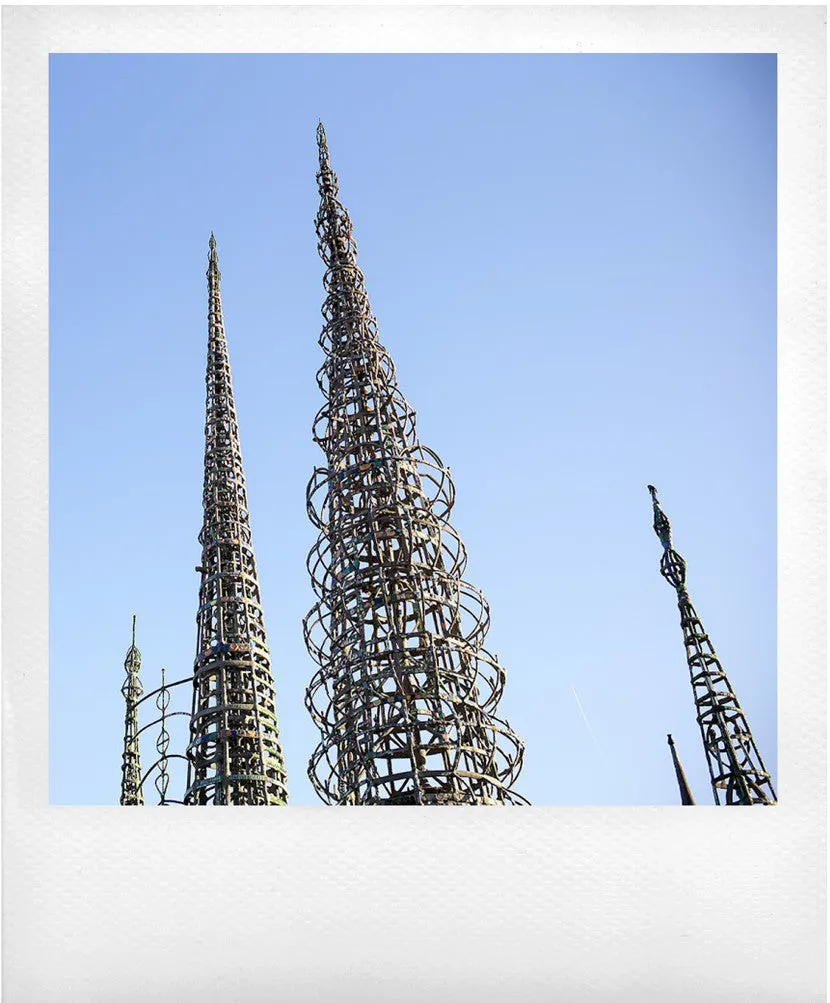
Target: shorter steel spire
131, 690
735, 766
682, 782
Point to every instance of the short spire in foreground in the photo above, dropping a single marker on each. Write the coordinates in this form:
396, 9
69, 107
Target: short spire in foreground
735, 766
682, 782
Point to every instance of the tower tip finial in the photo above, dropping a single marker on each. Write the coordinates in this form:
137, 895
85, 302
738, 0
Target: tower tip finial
322, 145
212, 241
671, 740
133, 629
662, 526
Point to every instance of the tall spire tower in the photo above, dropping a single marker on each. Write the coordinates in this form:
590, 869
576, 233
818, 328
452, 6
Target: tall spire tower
683, 784
234, 754
405, 693
736, 769
131, 690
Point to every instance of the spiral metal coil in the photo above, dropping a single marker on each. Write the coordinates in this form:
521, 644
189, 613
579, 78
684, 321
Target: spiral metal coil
736, 769
405, 694
234, 752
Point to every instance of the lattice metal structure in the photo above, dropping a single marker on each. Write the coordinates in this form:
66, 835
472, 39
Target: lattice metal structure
160, 768
234, 752
132, 792
162, 778
736, 769
405, 695
682, 783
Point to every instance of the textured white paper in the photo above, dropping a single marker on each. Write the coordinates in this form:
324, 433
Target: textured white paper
596, 904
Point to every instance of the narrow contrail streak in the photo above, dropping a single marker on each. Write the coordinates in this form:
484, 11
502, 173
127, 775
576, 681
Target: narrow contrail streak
587, 723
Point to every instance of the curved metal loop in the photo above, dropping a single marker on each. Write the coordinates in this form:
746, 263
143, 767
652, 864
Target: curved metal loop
172, 755
165, 686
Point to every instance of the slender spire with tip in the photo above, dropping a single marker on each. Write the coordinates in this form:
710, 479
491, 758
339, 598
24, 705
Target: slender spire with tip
131, 690
235, 757
735, 766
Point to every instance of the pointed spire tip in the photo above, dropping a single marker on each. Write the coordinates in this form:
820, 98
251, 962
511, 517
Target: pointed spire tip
322, 145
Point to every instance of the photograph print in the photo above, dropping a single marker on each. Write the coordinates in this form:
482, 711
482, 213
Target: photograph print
413, 430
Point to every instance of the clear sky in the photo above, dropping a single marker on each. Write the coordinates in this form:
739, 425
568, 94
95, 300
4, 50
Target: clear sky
572, 260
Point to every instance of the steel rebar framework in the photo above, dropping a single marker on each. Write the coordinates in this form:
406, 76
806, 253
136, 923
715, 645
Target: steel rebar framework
735, 765
405, 694
234, 753
132, 792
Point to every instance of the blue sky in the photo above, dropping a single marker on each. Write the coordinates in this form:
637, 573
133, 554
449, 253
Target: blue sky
572, 260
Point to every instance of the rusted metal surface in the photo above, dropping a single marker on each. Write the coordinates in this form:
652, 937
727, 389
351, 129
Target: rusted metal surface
131, 789
234, 753
736, 769
405, 694
682, 783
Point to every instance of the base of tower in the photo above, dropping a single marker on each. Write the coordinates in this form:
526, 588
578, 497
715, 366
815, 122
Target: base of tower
436, 798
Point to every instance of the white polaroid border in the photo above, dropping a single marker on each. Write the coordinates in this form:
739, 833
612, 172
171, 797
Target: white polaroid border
547, 904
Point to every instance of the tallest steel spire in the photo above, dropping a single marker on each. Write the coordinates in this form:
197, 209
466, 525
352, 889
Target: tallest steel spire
234, 754
736, 769
405, 694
